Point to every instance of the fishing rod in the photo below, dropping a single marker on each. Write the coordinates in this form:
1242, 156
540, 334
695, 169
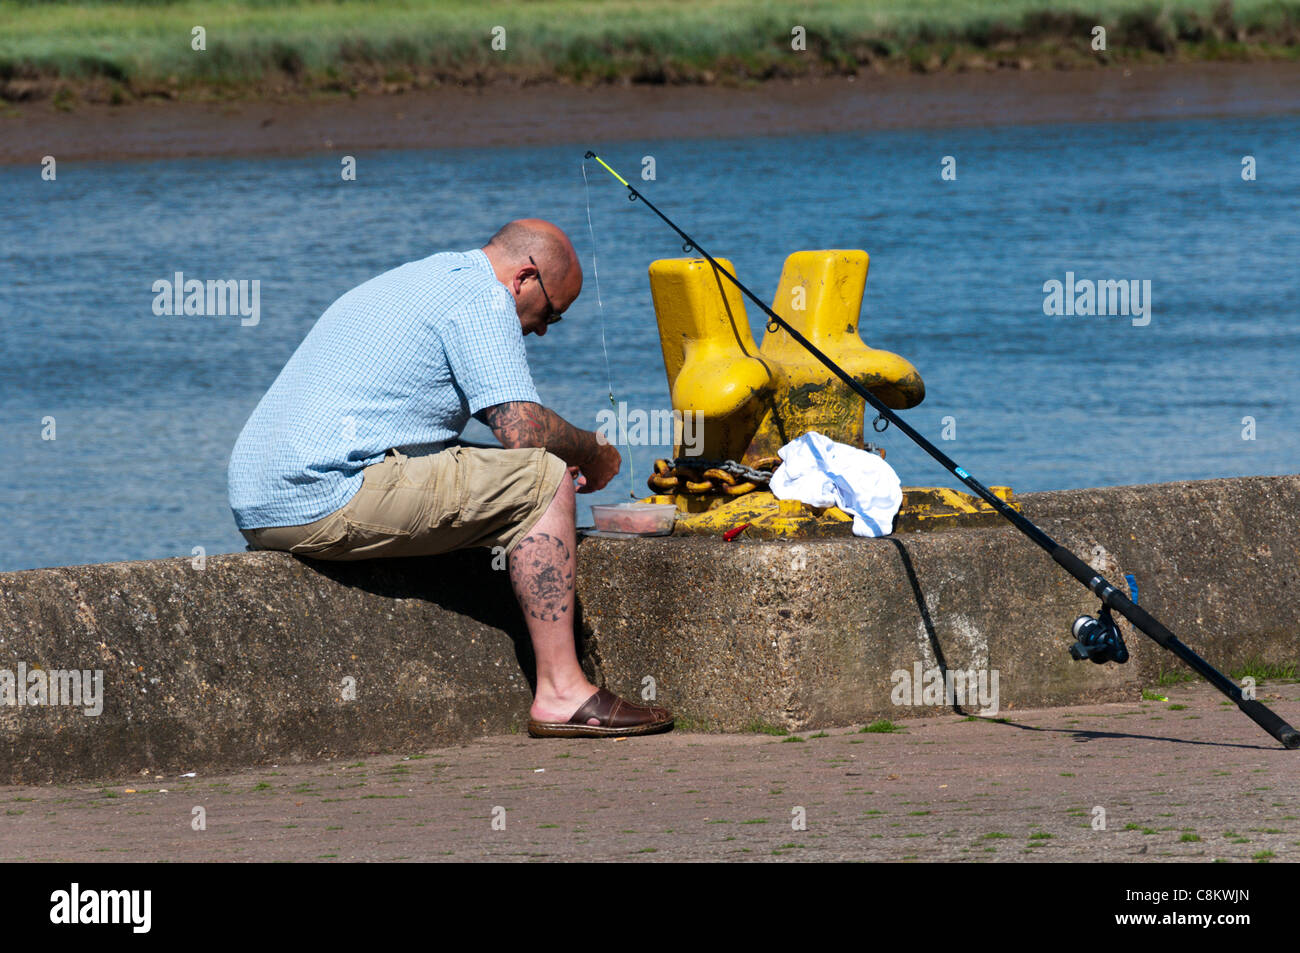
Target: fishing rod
1099, 640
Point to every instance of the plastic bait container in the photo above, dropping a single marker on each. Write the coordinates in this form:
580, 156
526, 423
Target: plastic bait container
634, 519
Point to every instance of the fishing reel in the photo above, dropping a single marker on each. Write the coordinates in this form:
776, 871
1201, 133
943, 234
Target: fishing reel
1098, 640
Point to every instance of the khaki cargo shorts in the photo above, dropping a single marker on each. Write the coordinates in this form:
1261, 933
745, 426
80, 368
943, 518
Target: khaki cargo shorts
422, 506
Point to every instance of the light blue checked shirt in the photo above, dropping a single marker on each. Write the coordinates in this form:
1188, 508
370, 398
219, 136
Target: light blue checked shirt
401, 361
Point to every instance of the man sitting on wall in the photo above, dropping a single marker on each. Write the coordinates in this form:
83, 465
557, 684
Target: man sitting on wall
350, 454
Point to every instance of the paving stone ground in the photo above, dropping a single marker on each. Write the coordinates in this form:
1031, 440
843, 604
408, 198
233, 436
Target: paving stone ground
1188, 779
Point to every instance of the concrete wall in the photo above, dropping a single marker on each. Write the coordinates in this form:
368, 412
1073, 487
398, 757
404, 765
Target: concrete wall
248, 659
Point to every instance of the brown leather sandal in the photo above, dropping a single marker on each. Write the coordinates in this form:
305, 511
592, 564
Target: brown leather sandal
616, 716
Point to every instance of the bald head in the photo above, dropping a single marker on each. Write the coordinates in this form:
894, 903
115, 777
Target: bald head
556, 269
515, 241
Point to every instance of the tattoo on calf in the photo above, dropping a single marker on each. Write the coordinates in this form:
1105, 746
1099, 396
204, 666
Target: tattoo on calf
538, 571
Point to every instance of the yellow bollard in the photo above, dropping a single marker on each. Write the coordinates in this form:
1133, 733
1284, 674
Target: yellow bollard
713, 364
820, 296
755, 400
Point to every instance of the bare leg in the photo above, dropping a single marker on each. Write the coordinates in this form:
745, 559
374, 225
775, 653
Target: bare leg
542, 572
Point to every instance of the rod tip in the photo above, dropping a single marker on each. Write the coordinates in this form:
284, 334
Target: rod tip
1289, 737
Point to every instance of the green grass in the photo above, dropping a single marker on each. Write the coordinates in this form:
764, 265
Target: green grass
883, 726
1261, 671
686, 725
759, 727
1138, 827
128, 49
1175, 676
1255, 668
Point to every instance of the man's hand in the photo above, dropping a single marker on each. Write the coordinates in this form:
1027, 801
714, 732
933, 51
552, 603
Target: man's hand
601, 468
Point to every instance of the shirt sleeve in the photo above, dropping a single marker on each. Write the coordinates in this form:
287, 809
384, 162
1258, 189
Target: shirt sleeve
484, 345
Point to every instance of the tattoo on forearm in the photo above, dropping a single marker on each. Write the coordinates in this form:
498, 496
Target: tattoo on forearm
542, 574
524, 424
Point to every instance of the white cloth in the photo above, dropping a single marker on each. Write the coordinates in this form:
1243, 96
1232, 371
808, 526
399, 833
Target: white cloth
820, 472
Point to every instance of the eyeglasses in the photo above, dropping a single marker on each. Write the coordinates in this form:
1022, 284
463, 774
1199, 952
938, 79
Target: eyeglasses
553, 315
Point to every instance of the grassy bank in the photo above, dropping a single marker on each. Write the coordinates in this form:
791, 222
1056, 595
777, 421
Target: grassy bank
121, 51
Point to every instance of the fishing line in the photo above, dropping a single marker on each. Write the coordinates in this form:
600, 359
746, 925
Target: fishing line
600, 306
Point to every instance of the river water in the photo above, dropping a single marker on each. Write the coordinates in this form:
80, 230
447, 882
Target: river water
144, 408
